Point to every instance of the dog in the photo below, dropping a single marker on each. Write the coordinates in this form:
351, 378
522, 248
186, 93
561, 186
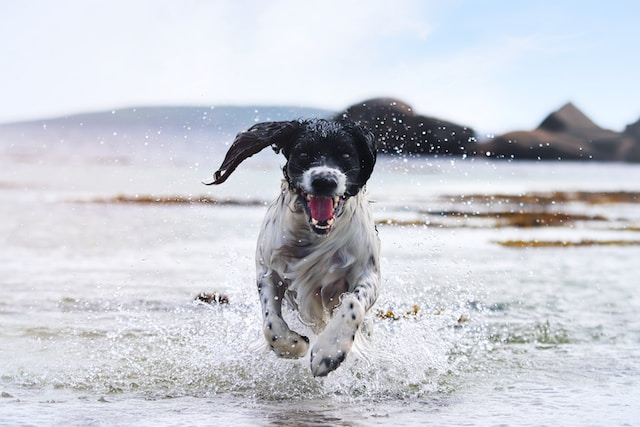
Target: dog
318, 247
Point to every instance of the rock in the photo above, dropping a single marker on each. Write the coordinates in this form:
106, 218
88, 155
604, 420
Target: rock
567, 134
400, 131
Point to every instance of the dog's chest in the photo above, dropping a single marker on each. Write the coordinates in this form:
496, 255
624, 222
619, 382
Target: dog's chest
316, 280
317, 270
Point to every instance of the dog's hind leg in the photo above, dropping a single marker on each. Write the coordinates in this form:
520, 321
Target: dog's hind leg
282, 340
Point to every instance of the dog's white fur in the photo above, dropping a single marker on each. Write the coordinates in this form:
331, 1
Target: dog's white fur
331, 280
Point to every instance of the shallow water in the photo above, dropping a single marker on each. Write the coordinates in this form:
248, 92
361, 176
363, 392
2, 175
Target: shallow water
98, 323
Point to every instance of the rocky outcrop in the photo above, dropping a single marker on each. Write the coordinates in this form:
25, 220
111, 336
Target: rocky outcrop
630, 147
399, 130
568, 134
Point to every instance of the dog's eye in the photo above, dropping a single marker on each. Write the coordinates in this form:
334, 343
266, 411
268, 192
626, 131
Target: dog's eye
304, 155
346, 155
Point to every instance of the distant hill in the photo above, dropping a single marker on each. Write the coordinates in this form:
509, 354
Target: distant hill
168, 119
141, 133
138, 130
567, 134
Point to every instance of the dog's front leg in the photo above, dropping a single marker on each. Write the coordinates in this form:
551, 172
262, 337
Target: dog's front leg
282, 340
337, 338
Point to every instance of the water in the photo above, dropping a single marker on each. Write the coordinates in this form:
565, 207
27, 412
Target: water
98, 323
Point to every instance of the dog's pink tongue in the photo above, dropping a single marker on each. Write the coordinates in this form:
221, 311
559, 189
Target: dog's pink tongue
321, 208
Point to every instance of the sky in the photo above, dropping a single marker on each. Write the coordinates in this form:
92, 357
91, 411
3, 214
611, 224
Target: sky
494, 65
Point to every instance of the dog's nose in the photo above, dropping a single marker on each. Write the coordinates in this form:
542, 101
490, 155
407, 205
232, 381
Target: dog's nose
324, 186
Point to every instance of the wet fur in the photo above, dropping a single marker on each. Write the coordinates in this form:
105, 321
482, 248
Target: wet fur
332, 279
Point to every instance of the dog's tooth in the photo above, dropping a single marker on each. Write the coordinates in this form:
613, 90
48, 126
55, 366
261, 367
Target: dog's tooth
314, 221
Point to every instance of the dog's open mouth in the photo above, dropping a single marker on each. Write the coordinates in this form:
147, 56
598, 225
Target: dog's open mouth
321, 211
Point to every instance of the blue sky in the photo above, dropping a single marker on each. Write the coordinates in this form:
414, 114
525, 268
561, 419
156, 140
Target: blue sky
493, 65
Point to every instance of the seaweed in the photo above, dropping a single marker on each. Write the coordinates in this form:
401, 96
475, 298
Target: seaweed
565, 243
171, 200
534, 198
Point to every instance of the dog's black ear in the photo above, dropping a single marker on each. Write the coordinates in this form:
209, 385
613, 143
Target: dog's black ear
367, 151
279, 135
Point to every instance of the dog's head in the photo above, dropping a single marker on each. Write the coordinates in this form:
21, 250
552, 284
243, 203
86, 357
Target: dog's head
328, 161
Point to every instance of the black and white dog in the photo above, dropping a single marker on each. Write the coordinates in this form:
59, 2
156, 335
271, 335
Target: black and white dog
318, 247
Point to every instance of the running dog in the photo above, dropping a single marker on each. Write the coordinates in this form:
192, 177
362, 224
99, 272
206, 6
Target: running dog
318, 247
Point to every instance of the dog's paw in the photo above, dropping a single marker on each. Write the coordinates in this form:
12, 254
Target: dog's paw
336, 340
284, 342
323, 361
